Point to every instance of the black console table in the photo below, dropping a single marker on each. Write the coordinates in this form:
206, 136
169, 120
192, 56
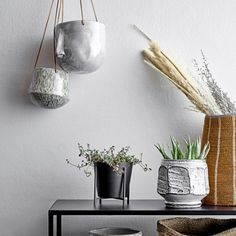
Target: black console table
136, 207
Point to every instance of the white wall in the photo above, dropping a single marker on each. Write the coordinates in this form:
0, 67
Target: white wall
124, 103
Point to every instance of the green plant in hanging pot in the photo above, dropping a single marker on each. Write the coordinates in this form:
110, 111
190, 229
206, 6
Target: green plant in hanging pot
109, 165
183, 174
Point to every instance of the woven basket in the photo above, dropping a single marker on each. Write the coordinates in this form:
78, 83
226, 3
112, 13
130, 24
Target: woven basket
220, 131
197, 227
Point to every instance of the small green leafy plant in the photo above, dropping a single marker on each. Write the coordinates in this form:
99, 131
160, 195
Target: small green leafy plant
192, 150
90, 156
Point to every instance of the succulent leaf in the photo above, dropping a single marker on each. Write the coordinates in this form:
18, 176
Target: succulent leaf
192, 150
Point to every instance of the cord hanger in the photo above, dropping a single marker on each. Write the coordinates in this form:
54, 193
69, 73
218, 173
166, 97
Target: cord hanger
59, 13
82, 12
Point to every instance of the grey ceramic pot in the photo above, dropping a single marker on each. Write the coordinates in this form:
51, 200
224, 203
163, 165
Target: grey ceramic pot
80, 48
49, 89
183, 183
115, 232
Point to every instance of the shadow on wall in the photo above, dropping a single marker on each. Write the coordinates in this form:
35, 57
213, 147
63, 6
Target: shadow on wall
172, 104
19, 79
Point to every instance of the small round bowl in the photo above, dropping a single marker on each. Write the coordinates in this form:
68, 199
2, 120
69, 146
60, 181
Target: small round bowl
115, 232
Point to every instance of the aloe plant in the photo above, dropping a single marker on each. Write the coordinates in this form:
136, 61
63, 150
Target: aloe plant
192, 151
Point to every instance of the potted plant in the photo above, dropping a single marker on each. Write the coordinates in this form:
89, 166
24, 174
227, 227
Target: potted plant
109, 166
183, 174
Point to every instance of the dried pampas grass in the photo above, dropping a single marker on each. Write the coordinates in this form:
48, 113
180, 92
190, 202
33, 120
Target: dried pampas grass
197, 91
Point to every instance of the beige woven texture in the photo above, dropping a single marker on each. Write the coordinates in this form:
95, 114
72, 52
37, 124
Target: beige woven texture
220, 131
197, 227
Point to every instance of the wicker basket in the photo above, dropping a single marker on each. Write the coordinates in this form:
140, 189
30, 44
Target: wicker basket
197, 227
220, 131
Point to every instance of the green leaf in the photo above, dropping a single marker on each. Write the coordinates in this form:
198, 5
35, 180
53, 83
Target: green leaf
192, 151
162, 151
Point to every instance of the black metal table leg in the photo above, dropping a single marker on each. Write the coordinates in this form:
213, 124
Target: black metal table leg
128, 198
124, 185
59, 225
95, 186
50, 224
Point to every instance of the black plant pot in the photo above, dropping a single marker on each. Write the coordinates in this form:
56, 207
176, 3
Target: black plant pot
110, 183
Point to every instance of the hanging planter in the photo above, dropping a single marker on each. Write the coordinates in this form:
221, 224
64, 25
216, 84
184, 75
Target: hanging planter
80, 45
49, 86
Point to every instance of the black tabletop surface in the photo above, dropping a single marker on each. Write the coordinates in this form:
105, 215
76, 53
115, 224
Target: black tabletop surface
136, 207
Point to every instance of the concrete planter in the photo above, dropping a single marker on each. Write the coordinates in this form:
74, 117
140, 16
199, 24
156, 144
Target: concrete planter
49, 88
115, 232
183, 183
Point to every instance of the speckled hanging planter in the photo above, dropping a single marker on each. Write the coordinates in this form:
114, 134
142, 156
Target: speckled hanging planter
49, 86
80, 45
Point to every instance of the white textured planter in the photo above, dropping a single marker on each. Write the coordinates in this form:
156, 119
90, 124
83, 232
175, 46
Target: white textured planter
183, 183
114, 232
80, 48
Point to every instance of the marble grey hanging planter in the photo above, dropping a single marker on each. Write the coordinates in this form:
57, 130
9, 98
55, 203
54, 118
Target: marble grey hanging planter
49, 88
183, 183
80, 45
